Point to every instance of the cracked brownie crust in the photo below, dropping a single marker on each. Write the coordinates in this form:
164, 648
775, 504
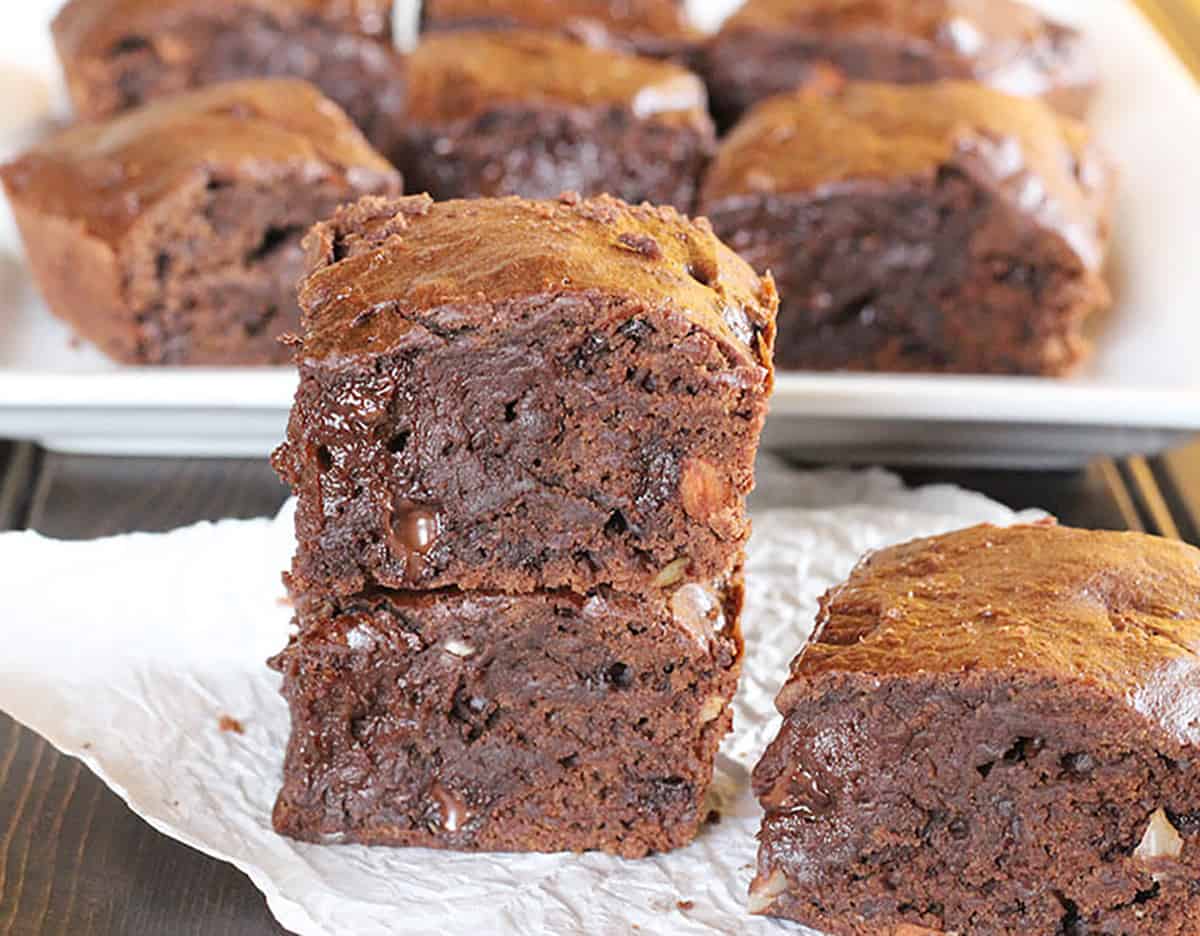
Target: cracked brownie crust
773, 46
171, 234
118, 54
517, 112
481, 721
927, 228
992, 732
556, 395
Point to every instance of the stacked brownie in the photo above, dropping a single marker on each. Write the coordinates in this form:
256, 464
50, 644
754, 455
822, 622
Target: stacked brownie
118, 54
943, 227
170, 234
519, 112
773, 46
521, 446
993, 731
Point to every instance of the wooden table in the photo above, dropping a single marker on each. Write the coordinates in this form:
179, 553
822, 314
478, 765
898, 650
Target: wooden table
74, 860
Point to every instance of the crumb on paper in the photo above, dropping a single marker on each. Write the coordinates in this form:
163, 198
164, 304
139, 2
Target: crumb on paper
87, 745
685, 905
713, 817
229, 723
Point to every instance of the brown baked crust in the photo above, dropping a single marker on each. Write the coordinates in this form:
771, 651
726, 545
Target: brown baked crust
940, 227
471, 263
1117, 611
978, 734
161, 234
810, 143
482, 721
558, 395
460, 74
108, 175
769, 46
649, 27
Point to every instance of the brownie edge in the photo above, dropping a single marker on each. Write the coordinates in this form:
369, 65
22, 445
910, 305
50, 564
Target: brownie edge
482, 721
993, 732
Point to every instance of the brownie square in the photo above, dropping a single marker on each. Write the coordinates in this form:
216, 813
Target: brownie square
171, 234
658, 28
513, 112
118, 54
491, 722
993, 731
519, 395
940, 228
772, 46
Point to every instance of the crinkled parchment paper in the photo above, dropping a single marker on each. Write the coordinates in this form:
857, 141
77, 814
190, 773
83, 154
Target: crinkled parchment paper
127, 652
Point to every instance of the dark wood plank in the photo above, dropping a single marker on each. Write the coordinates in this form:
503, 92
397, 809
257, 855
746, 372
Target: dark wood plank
83, 496
1178, 474
18, 467
1090, 499
73, 858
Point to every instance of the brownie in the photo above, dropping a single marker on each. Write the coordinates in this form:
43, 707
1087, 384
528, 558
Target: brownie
519, 395
171, 234
118, 54
658, 28
515, 112
990, 732
494, 722
945, 227
772, 46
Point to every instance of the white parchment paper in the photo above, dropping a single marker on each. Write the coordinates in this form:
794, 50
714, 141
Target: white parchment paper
126, 652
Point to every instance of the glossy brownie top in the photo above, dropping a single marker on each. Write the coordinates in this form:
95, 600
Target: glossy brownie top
815, 141
458, 75
98, 27
109, 174
658, 18
1118, 612
381, 262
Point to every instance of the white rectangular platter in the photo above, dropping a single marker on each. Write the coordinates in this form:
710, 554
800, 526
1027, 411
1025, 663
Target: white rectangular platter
1140, 394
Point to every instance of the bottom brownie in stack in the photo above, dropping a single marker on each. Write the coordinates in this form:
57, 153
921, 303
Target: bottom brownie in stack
478, 721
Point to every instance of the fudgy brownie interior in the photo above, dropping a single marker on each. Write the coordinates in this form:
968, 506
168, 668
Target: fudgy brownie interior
944, 228
993, 732
772, 46
171, 234
211, 274
649, 27
519, 112
122, 57
480, 721
926, 274
589, 416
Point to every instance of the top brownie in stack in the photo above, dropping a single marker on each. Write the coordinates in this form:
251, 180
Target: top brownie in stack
649, 27
515, 112
771, 46
944, 227
121, 53
994, 731
515, 395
